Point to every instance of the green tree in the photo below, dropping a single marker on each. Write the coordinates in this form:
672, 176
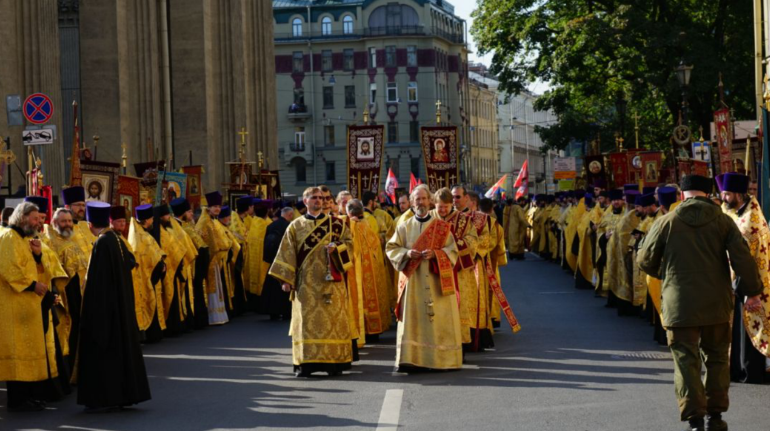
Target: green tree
593, 52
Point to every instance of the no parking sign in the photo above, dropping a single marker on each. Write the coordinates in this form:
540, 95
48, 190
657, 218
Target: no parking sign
38, 108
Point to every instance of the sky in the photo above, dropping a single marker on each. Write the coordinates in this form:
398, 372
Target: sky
463, 9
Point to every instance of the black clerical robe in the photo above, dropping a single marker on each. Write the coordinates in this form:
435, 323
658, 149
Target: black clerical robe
274, 301
110, 365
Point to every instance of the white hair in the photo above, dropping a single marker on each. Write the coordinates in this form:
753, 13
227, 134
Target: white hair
421, 187
287, 210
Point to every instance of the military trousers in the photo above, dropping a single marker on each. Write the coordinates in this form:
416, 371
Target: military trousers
693, 348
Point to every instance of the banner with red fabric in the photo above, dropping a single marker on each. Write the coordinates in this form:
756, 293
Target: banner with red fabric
652, 162
595, 169
441, 153
365, 149
700, 167
684, 167
194, 185
724, 139
619, 163
634, 165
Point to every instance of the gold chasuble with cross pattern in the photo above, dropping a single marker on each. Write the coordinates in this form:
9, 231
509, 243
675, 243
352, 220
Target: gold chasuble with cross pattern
429, 330
753, 226
320, 320
256, 268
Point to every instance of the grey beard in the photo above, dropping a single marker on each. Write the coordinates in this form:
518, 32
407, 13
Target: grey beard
64, 233
421, 211
29, 231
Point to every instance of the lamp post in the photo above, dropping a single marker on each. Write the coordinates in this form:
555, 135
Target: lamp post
620, 106
683, 73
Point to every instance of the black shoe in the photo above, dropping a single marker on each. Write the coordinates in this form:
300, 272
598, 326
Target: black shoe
696, 425
299, 373
334, 373
28, 406
715, 423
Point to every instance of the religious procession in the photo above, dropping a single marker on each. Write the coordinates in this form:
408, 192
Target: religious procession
380, 214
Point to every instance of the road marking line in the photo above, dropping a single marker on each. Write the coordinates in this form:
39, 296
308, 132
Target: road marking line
391, 410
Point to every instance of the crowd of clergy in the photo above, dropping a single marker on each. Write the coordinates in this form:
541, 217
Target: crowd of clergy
596, 235
83, 286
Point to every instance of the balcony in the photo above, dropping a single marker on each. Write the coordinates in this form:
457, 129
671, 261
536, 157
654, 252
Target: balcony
385, 31
297, 147
298, 112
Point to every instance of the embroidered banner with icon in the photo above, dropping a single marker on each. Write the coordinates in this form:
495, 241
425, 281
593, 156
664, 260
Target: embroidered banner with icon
365, 149
619, 163
595, 172
441, 153
651, 165
724, 139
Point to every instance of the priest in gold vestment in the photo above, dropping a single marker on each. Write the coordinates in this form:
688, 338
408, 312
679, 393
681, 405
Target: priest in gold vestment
197, 301
605, 249
621, 263
74, 199
215, 236
423, 250
311, 263
147, 275
255, 243
25, 357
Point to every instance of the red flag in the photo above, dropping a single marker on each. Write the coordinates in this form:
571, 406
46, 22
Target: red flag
419, 181
522, 181
391, 184
412, 182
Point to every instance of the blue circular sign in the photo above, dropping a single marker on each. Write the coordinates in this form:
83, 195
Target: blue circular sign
38, 108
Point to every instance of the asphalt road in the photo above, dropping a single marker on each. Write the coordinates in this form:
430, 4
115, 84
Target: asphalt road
575, 365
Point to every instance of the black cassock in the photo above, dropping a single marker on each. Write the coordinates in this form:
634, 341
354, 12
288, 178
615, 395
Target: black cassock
274, 301
110, 366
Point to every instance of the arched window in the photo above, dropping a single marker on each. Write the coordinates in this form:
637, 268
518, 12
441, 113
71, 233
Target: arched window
347, 25
296, 27
326, 26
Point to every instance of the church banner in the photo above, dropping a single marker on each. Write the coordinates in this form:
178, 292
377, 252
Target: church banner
724, 139
595, 169
441, 153
194, 185
634, 165
651, 165
365, 149
700, 167
619, 163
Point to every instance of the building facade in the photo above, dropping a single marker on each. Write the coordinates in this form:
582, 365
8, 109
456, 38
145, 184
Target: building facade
335, 59
484, 149
172, 79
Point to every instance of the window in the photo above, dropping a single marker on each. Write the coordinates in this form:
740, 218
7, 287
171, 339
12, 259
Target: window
298, 62
392, 132
372, 92
350, 96
328, 97
296, 27
411, 92
372, 58
326, 60
329, 136
392, 92
299, 137
300, 170
415, 166
326, 26
414, 132
347, 25
411, 56
348, 62
390, 56
331, 175
299, 96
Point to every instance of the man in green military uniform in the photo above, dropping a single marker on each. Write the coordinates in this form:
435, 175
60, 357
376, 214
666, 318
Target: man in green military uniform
688, 250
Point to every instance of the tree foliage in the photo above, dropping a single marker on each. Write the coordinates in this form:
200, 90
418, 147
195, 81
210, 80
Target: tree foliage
594, 52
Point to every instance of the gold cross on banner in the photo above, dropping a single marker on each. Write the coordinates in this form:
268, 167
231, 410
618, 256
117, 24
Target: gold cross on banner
438, 112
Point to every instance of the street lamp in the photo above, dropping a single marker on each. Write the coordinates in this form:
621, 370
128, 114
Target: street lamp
683, 73
620, 105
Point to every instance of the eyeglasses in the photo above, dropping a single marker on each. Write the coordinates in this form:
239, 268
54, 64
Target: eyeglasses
327, 198
456, 197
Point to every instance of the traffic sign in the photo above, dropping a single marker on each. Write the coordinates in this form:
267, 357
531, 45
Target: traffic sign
41, 136
38, 108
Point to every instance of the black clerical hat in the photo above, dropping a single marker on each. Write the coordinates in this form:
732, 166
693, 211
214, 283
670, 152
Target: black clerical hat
697, 182
647, 199
180, 206
666, 196
735, 183
214, 199
73, 195
40, 201
98, 214
226, 212
144, 212
243, 204
615, 194
118, 213
161, 210
631, 187
632, 196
